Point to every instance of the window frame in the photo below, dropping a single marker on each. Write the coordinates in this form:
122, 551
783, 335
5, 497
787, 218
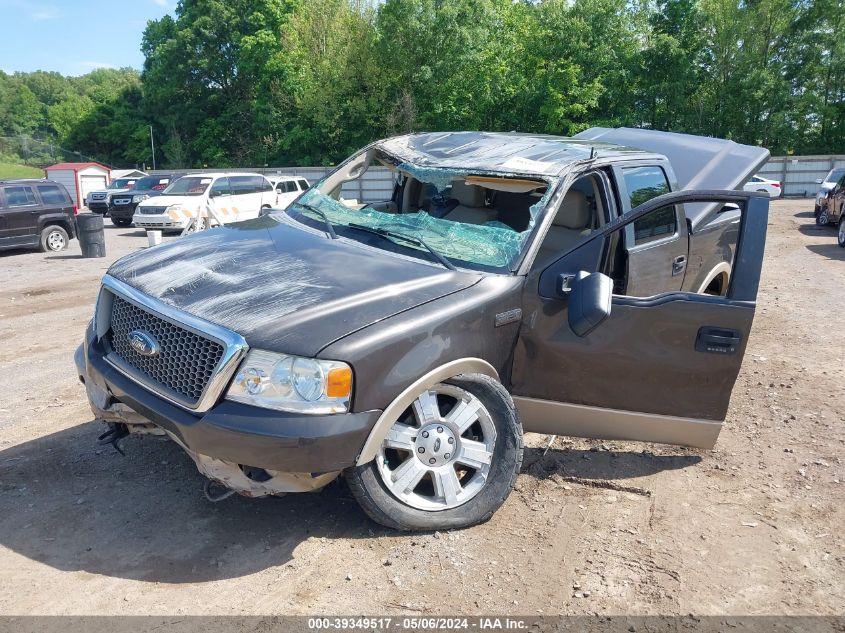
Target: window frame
214, 183
35, 198
65, 201
619, 169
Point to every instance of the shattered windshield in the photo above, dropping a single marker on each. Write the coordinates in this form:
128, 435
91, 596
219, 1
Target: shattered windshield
473, 220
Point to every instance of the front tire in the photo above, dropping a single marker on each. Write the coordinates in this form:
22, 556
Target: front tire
53, 239
449, 461
822, 218
122, 222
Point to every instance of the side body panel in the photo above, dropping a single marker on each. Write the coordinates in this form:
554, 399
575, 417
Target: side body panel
388, 356
712, 249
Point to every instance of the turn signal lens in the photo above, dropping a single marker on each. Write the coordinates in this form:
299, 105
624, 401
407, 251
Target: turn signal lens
339, 382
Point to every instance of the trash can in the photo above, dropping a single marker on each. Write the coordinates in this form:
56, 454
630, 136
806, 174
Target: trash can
92, 237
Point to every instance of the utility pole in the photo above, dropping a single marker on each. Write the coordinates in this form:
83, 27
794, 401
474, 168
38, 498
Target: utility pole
153, 147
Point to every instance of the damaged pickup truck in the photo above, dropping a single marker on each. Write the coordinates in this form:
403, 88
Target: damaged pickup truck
601, 286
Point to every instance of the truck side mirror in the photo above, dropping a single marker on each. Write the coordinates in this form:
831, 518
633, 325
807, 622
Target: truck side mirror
590, 296
819, 181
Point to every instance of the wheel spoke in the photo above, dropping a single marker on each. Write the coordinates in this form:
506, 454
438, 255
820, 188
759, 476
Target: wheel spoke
425, 408
463, 415
473, 454
446, 485
407, 476
401, 437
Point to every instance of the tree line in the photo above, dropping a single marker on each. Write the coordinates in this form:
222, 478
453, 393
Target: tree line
306, 82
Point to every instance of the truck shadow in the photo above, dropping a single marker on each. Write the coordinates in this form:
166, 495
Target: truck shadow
71, 504
602, 465
74, 505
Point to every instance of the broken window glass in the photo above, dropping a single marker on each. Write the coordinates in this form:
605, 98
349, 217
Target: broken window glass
472, 219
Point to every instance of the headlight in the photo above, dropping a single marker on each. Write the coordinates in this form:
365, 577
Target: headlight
292, 383
137, 199
174, 207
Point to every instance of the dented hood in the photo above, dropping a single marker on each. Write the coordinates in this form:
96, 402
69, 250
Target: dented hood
283, 287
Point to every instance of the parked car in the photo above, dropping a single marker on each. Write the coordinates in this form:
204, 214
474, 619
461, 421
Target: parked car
36, 213
831, 205
232, 196
288, 189
825, 185
511, 283
763, 185
122, 207
99, 201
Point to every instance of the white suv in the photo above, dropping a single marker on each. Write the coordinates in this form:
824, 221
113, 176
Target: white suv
288, 189
232, 196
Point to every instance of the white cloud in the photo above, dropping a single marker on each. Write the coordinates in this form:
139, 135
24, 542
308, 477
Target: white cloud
162, 3
45, 13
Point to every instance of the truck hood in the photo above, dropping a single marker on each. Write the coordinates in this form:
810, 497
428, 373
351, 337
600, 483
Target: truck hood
284, 287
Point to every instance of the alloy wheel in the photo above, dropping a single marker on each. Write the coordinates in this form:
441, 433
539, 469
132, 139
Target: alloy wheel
841, 234
437, 455
55, 241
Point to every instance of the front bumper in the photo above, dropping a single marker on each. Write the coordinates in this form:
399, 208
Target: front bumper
162, 221
122, 211
98, 206
234, 432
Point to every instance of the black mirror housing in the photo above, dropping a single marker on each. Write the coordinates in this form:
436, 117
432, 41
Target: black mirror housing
590, 298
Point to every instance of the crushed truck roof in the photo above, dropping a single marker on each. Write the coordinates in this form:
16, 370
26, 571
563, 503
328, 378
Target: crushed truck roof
499, 151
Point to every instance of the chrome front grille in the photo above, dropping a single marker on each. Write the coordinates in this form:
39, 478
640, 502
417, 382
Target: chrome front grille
151, 210
98, 196
194, 360
185, 362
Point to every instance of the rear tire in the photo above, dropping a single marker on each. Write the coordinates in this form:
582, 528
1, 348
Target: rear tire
53, 239
840, 235
476, 416
123, 222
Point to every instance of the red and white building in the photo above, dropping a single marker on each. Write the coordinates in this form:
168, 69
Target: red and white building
80, 178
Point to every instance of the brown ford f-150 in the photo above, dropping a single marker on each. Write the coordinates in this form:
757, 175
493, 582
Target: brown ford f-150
601, 286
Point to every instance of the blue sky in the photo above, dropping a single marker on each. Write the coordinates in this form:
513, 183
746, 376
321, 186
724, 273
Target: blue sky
74, 37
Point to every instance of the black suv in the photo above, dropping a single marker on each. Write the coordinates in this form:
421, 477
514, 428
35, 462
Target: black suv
36, 213
122, 206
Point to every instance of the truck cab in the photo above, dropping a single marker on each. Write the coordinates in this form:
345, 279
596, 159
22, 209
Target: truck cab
601, 286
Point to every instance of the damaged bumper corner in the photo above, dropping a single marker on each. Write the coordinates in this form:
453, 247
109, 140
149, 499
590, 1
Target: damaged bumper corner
252, 451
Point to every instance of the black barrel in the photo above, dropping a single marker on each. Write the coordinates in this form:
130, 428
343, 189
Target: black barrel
92, 237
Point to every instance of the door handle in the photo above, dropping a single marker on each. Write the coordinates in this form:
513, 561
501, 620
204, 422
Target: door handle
717, 340
679, 264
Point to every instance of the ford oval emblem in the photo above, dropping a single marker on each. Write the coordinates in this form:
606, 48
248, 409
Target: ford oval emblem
143, 343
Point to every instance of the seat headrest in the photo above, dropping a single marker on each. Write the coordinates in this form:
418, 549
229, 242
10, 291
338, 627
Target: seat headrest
467, 195
574, 212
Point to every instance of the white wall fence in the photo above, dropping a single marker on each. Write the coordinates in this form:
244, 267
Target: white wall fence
797, 174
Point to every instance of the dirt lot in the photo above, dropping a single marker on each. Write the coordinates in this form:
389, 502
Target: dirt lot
752, 527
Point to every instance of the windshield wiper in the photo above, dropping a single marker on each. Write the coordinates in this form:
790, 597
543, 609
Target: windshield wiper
322, 215
408, 238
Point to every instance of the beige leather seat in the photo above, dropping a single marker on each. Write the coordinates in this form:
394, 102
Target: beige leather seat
471, 208
571, 223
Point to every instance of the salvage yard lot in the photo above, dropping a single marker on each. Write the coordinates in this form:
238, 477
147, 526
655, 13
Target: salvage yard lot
751, 527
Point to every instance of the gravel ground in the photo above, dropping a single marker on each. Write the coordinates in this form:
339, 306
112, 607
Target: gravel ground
751, 527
